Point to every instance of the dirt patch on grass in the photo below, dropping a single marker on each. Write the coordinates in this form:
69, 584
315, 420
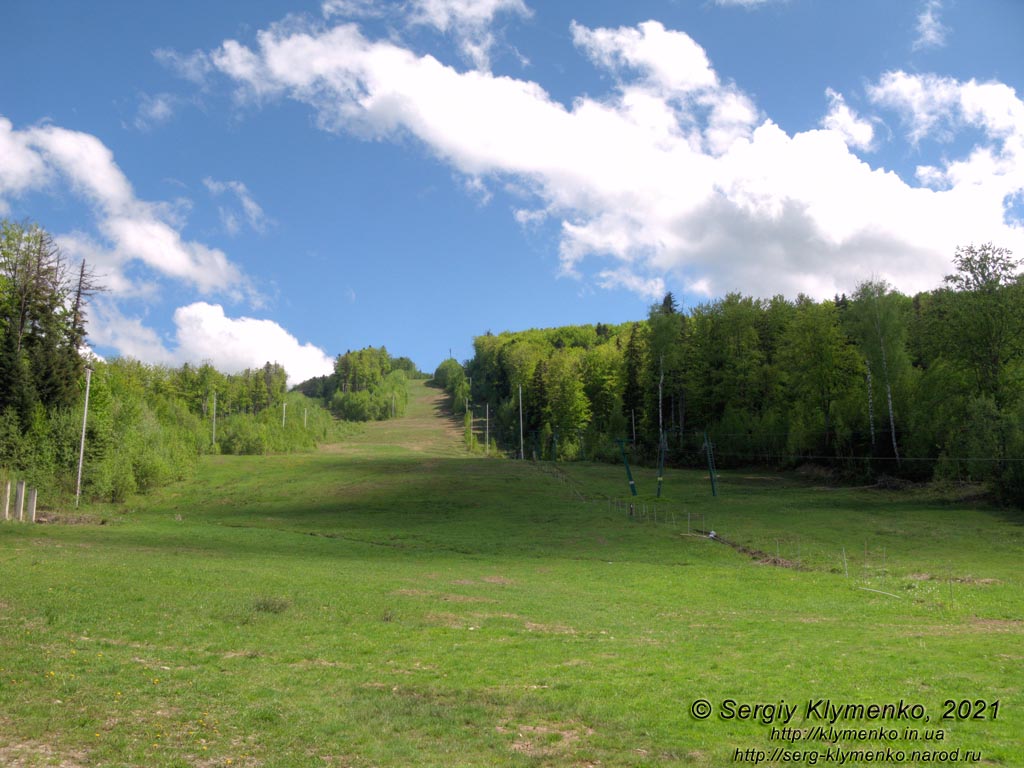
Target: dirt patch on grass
465, 599
498, 580
443, 597
957, 580
29, 754
552, 629
973, 625
762, 558
545, 741
60, 518
998, 625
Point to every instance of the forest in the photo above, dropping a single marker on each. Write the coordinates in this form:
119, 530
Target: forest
147, 424
875, 386
366, 385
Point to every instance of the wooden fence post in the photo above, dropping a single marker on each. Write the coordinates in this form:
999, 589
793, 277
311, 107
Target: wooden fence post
19, 501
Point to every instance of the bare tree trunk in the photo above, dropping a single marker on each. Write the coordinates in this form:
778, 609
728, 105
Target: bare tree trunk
888, 395
871, 404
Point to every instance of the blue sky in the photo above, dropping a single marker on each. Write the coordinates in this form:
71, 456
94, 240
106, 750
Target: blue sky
288, 180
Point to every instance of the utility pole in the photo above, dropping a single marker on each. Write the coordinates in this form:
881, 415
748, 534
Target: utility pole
213, 440
487, 429
284, 413
81, 445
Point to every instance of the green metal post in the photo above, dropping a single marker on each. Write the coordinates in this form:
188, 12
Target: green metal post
711, 464
629, 474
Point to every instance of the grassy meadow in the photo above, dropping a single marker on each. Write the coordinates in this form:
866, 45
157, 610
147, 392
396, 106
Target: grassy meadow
393, 601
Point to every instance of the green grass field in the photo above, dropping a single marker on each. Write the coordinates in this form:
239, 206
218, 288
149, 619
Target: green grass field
392, 601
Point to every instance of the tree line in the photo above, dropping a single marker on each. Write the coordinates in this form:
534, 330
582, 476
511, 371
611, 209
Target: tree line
929, 386
147, 424
366, 385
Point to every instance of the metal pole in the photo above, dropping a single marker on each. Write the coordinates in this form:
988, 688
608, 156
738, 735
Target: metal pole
81, 445
214, 439
487, 429
522, 451
629, 475
284, 413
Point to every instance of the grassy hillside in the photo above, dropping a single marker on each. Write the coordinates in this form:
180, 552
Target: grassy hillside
392, 601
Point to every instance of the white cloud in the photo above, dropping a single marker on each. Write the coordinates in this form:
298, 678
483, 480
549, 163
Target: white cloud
669, 59
468, 21
931, 33
675, 175
351, 9
251, 210
925, 101
154, 110
942, 106
203, 332
136, 231
194, 67
110, 328
677, 88
21, 167
650, 288
855, 131
87, 163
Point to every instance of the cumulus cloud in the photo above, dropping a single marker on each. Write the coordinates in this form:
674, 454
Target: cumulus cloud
674, 176
203, 332
931, 33
135, 232
939, 107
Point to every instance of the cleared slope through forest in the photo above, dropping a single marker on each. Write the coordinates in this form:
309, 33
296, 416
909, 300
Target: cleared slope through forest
426, 428
395, 601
